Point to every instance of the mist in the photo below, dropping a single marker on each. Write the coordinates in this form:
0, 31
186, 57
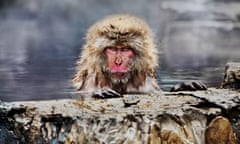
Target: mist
40, 41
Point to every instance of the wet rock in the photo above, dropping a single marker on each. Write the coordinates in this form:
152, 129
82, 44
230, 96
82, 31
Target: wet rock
129, 100
179, 117
220, 131
232, 76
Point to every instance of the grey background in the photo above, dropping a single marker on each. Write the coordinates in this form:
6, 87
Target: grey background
40, 41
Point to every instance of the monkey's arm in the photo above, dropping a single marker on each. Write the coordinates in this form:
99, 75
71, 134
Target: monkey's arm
189, 86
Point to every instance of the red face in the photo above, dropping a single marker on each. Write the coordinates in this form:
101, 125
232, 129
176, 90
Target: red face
117, 59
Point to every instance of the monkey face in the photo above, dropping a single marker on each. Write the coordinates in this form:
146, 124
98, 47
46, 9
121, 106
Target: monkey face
119, 54
118, 59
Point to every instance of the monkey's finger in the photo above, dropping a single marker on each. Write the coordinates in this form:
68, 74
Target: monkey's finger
176, 88
109, 93
204, 86
113, 93
198, 85
182, 87
102, 93
98, 94
189, 86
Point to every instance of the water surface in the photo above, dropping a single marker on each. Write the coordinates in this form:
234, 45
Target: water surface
40, 41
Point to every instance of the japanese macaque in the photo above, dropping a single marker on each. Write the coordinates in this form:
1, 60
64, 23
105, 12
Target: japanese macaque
119, 57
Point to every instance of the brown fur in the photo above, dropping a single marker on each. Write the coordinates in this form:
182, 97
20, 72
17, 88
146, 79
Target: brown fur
117, 29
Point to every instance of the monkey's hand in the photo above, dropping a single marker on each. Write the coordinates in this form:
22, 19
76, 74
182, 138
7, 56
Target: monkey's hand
106, 93
189, 86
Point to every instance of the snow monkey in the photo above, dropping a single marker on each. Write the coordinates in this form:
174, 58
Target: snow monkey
119, 57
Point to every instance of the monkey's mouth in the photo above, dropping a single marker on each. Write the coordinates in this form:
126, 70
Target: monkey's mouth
120, 77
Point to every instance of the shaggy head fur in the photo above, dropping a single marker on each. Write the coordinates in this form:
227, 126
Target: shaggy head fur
111, 31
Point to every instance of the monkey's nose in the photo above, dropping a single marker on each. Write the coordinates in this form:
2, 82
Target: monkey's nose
118, 61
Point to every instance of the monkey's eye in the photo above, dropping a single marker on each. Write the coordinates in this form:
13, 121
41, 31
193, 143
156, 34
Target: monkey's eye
111, 50
125, 49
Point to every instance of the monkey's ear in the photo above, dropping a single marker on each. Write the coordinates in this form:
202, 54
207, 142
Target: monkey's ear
189, 86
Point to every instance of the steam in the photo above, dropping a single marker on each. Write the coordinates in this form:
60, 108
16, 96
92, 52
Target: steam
41, 39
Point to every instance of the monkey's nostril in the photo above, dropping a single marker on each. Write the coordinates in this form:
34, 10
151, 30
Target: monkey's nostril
118, 61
